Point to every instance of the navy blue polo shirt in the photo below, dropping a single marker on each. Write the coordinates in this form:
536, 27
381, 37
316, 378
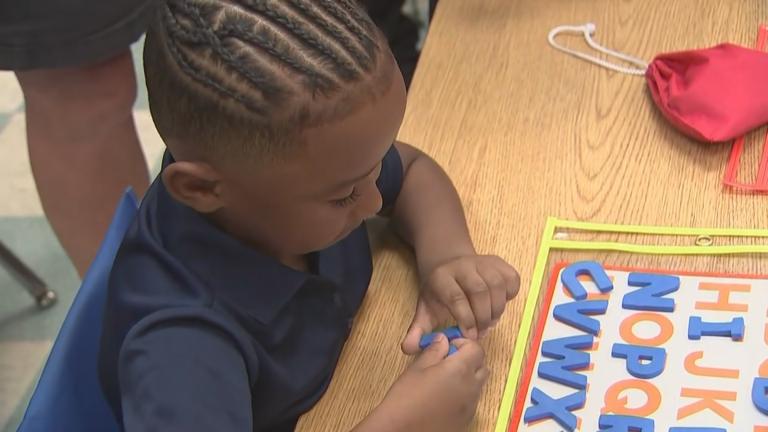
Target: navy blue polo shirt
203, 333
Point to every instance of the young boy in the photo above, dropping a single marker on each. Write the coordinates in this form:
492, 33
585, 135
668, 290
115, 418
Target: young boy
233, 293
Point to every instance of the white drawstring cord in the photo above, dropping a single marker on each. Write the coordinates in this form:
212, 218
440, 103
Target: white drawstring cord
588, 30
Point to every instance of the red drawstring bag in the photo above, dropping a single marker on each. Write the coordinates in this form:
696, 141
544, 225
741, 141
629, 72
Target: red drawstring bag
714, 94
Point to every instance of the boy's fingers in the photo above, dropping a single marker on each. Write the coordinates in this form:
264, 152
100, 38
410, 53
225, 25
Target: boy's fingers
497, 285
479, 296
512, 278
421, 325
470, 352
434, 353
454, 299
482, 375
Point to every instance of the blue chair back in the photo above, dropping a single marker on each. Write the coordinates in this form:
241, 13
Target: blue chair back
68, 397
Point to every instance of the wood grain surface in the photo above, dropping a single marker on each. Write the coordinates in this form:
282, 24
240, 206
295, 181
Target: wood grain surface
526, 132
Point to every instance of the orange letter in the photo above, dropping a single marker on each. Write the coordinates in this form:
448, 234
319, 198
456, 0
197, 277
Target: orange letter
708, 399
762, 371
694, 369
627, 329
617, 404
723, 297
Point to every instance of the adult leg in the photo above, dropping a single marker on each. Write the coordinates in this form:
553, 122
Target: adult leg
83, 148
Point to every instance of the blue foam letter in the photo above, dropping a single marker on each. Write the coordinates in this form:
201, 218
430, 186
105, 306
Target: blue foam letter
570, 278
624, 423
450, 332
575, 314
556, 409
759, 397
642, 361
733, 329
567, 359
649, 296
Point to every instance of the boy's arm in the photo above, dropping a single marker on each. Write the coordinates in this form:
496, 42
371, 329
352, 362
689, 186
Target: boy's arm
183, 377
456, 281
428, 213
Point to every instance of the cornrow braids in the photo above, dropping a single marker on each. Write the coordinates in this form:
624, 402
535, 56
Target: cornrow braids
188, 67
259, 77
223, 66
361, 56
264, 39
300, 30
361, 26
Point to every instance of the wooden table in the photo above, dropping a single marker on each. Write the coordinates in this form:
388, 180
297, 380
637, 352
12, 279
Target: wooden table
526, 132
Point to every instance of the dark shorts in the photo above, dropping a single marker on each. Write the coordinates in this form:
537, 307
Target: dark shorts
44, 34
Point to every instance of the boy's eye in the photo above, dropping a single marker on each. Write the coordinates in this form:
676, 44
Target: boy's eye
347, 200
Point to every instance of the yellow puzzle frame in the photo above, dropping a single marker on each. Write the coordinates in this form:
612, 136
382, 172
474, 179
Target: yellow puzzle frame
549, 242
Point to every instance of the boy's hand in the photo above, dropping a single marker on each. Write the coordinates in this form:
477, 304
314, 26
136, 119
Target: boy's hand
473, 290
436, 393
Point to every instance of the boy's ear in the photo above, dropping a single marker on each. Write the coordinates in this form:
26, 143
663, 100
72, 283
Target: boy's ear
195, 184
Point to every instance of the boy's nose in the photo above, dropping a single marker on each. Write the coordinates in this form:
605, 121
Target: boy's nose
371, 203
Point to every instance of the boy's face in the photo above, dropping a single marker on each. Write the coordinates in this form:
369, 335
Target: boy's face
324, 191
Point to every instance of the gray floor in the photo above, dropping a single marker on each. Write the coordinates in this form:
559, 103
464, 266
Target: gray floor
26, 333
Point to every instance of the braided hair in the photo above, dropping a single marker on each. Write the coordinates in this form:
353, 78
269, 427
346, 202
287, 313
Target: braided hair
254, 72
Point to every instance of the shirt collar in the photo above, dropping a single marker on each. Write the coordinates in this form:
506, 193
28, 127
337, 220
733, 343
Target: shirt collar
250, 280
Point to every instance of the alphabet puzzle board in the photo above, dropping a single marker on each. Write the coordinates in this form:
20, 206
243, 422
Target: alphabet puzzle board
640, 348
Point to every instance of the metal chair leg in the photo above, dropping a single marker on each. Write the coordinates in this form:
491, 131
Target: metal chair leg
33, 284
